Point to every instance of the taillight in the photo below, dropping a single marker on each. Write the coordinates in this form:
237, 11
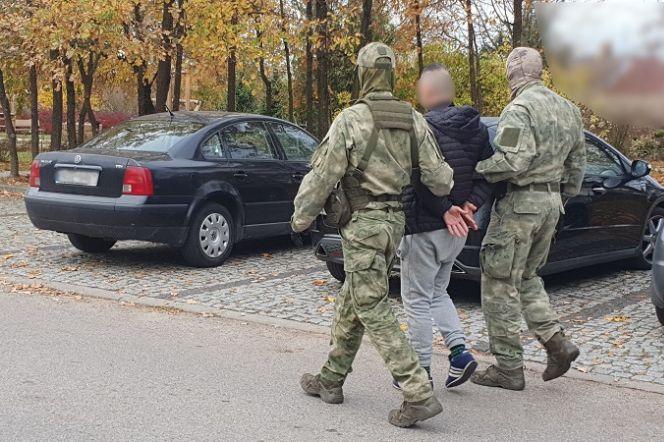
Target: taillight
137, 181
34, 174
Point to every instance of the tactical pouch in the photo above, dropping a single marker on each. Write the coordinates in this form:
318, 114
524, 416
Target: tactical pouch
337, 208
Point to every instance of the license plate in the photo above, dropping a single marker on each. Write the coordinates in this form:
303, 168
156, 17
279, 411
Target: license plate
77, 177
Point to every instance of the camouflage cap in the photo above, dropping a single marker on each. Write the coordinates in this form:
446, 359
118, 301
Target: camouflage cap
523, 66
376, 55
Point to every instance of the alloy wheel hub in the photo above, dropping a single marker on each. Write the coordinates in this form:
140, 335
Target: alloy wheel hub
650, 236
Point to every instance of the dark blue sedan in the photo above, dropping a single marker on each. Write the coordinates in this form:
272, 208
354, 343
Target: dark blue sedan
199, 181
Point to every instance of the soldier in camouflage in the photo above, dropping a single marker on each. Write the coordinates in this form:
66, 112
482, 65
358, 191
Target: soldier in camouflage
540, 152
370, 238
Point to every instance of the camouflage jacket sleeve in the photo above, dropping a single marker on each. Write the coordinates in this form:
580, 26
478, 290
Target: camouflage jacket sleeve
575, 166
515, 146
328, 166
435, 173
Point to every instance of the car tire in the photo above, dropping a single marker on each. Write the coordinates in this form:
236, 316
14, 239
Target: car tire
211, 237
644, 261
89, 244
660, 314
336, 270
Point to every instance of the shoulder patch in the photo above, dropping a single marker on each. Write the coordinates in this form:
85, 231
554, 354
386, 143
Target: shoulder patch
509, 137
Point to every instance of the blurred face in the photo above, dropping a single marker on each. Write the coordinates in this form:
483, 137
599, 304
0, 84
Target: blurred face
435, 88
427, 94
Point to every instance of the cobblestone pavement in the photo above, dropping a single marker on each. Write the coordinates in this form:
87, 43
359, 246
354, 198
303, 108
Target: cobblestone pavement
605, 309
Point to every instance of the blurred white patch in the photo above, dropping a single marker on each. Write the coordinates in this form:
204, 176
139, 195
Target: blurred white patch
608, 56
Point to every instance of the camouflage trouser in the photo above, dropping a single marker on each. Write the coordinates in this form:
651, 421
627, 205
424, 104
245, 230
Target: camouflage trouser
515, 247
369, 243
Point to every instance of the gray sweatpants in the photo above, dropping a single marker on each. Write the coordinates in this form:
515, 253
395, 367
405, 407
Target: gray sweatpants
426, 267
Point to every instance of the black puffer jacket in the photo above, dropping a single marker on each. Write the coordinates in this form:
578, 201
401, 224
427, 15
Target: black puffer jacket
464, 141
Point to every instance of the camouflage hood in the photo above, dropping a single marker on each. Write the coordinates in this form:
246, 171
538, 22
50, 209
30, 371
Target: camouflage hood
524, 65
375, 63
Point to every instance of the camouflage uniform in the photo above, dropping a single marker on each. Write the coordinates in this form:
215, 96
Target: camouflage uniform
540, 149
369, 240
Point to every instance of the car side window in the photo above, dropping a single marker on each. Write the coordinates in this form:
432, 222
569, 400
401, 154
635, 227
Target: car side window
211, 148
297, 144
247, 141
601, 163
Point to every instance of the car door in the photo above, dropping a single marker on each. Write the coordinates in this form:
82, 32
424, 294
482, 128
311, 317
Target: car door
298, 147
259, 175
601, 220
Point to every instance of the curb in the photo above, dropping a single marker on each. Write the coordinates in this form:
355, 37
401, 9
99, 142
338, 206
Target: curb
144, 301
13, 189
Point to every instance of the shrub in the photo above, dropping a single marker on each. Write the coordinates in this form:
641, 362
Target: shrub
649, 147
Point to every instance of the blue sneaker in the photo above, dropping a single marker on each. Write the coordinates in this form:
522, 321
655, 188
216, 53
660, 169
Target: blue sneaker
462, 367
396, 386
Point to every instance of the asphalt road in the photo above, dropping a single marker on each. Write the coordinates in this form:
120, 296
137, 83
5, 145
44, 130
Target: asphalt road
74, 369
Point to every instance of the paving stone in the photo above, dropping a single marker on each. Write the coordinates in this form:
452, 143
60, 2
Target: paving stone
606, 310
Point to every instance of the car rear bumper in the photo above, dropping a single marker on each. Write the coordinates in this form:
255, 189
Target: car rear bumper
123, 218
327, 247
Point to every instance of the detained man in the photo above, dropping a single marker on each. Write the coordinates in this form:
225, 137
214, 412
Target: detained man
437, 227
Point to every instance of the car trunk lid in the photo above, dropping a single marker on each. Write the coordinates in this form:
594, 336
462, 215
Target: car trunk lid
92, 172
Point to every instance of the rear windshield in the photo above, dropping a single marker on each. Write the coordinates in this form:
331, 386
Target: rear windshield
144, 135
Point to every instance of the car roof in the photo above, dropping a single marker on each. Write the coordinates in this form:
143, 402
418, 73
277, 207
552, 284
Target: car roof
489, 121
203, 117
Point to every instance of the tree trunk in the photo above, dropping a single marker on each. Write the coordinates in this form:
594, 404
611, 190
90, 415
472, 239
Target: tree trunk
87, 78
365, 27
472, 58
517, 27
269, 101
418, 39
309, 78
56, 117
231, 91
179, 55
289, 73
9, 128
71, 105
323, 62
34, 112
177, 77
164, 65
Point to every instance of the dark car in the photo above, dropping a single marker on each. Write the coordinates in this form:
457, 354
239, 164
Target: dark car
199, 181
613, 218
657, 291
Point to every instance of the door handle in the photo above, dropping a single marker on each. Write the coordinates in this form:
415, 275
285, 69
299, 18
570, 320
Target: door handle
297, 176
598, 190
240, 174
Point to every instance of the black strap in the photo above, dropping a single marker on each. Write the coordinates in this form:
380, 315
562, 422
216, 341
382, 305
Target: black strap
414, 150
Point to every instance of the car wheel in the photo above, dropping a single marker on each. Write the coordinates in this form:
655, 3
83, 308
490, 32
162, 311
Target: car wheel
336, 270
211, 237
654, 223
89, 244
660, 314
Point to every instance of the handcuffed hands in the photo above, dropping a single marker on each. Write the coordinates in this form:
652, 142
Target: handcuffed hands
460, 220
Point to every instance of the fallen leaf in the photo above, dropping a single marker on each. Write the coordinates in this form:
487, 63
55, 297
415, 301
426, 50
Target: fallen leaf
617, 318
266, 255
403, 326
7, 256
330, 299
319, 282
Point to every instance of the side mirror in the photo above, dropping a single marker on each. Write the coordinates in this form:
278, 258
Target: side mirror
640, 169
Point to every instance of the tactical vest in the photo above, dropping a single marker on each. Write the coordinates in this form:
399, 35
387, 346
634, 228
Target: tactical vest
387, 113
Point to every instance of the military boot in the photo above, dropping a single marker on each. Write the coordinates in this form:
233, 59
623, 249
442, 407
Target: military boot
495, 376
412, 412
561, 352
313, 385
